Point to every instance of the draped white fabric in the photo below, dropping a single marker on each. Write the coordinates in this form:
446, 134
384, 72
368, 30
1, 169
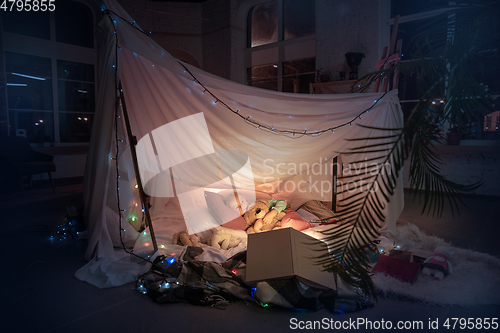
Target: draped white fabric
159, 92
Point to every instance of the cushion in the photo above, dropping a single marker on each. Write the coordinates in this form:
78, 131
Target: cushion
224, 215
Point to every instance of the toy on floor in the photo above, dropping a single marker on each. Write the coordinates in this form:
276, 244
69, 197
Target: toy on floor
437, 266
222, 238
184, 239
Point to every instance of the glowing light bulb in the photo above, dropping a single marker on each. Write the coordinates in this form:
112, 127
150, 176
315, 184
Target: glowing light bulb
170, 260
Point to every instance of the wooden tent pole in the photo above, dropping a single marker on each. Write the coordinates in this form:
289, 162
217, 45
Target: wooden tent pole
334, 184
133, 142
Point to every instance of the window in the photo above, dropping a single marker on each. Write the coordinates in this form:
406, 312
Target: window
281, 53
76, 100
264, 24
29, 91
418, 15
50, 73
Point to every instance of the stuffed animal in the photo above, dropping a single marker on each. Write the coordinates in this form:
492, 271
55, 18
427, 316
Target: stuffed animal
223, 239
256, 218
258, 211
437, 266
184, 239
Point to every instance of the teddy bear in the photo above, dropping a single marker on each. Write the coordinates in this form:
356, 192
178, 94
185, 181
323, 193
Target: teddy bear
437, 266
258, 211
255, 218
223, 238
184, 239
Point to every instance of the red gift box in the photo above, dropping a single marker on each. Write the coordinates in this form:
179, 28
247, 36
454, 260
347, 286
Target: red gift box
397, 268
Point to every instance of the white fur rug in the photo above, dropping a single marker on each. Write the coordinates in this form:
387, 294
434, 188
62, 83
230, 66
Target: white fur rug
475, 279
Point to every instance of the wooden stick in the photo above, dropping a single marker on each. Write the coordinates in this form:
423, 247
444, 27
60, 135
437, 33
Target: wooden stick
133, 142
334, 185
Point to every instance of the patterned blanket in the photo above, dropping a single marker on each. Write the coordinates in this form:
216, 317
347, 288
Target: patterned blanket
214, 284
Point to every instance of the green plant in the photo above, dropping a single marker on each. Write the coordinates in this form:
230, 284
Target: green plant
449, 93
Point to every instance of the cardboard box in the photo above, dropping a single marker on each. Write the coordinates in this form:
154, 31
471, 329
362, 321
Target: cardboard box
286, 253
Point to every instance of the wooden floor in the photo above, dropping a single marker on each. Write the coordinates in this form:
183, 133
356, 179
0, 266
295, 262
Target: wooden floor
40, 294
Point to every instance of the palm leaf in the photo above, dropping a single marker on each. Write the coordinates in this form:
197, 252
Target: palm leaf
443, 73
360, 213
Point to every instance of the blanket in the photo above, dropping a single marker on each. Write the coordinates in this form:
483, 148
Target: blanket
475, 278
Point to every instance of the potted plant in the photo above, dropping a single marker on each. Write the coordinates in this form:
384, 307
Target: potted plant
443, 64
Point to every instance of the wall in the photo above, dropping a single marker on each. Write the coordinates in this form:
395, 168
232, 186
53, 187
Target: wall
213, 32
176, 27
349, 26
70, 161
217, 32
467, 165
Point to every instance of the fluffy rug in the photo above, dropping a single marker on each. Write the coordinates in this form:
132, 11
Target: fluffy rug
475, 279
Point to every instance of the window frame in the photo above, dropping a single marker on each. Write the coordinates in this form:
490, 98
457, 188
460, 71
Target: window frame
422, 16
55, 51
299, 48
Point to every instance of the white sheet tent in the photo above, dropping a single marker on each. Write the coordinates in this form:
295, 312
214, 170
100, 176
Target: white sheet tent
180, 115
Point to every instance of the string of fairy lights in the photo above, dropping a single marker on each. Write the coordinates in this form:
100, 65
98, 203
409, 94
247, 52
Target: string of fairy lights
291, 133
117, 145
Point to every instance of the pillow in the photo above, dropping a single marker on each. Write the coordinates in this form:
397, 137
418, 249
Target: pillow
223, 214
231, 202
